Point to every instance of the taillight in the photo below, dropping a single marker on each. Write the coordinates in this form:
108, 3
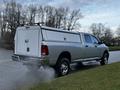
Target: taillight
44, 50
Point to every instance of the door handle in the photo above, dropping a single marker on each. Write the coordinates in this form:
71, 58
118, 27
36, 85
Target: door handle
86, 45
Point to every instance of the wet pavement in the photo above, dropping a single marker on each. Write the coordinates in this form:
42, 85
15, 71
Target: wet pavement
114, 57
14, 76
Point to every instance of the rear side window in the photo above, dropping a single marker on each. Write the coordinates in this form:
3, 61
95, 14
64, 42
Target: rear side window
57, 36
87, 38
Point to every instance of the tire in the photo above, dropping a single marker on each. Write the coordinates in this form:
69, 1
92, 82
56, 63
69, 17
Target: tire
63, 66
104, 59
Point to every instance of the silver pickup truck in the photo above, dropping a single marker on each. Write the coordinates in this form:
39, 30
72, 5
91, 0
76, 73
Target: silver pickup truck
40, 45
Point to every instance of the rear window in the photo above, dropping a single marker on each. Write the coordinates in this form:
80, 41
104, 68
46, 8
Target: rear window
87, 38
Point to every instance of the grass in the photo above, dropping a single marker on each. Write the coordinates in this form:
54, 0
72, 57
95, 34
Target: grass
114, 48
100, 78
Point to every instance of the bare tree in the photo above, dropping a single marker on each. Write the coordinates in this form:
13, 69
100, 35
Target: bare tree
108, 36
23, 18
65, 12
118, 35
31, 14
11, 16
41, 14
102, 32
1, 24
97, 29
18, 14
75, 15
118, 31
59, 17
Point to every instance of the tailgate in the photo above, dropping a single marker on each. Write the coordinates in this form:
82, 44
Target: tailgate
27, 41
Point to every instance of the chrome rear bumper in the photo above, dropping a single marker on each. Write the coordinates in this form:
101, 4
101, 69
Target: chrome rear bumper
30, 60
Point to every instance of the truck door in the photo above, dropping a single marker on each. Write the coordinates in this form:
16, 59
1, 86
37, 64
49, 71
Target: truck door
88, 46
97, 46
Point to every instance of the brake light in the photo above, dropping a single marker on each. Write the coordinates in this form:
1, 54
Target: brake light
44, 50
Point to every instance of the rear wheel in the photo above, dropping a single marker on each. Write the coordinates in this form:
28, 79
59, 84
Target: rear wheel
104, 59
63, 66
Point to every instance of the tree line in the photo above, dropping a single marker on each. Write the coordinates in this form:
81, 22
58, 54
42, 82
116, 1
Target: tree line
15, 14
106, 34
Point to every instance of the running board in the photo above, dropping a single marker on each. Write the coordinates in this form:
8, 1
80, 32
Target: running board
86, 60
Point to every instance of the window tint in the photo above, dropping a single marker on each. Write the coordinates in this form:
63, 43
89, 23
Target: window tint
95, 40
87, 38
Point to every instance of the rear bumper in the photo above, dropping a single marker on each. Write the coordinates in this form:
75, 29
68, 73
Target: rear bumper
30, 60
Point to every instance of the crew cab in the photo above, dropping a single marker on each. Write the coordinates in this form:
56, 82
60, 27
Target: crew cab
40, 45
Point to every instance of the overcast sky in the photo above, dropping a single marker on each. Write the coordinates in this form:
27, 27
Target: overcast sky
94, 11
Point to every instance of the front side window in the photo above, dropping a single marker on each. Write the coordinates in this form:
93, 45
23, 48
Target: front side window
87, 38
95, 40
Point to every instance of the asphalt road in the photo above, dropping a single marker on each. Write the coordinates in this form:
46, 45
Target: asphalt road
14, 75
114, 56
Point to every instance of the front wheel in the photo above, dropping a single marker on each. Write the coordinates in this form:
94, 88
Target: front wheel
104, 59
63, 66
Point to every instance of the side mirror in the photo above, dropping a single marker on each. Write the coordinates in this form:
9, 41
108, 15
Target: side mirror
100, 42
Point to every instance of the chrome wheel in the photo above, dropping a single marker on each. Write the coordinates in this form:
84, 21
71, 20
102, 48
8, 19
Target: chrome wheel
64, 68
104, 60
